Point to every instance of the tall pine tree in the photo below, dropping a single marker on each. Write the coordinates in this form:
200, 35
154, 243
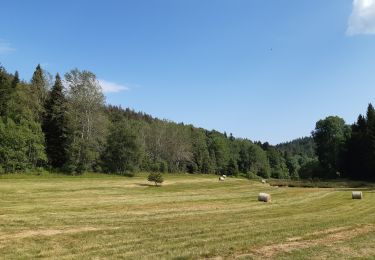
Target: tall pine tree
360, 148
370, 173
39, 92
54, 125
5, 91
15, 81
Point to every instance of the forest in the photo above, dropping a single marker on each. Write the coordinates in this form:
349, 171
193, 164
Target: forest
63, 124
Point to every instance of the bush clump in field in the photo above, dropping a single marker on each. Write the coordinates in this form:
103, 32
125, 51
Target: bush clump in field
252, 176
155, 177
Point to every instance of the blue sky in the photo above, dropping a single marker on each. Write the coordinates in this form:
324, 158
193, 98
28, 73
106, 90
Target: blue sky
262, 69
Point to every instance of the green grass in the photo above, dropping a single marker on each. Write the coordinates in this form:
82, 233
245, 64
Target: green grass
189, 217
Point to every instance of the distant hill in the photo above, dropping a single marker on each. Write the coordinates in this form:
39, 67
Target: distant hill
301, 146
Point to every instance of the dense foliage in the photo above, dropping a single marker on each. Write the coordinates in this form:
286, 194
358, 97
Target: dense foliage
359, 150
165, 146
343, 150
302, 146
68, 127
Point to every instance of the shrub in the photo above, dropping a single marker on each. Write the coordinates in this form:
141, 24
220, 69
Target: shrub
155, 177
252, 176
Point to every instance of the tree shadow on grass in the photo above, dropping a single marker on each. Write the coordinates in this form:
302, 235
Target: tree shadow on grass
147, 185
339, 184
367, 189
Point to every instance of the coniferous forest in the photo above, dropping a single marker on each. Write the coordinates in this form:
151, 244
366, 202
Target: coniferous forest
63, 124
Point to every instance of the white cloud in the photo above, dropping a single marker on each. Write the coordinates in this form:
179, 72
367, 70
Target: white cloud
362, 19
111, 87
5, 47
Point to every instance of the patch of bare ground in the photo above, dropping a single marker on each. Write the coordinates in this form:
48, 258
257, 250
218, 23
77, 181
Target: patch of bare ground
325, 237
45, 232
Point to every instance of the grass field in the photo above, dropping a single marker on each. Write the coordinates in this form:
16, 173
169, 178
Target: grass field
189, 217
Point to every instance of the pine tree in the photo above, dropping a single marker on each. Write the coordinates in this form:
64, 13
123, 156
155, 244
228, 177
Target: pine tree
8, 85
4, 91
54, 125
360, 148
356, 150
370, 141
15, 81
39, 92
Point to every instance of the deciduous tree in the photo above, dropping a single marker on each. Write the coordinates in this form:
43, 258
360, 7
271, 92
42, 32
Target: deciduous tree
330, 135
87, 123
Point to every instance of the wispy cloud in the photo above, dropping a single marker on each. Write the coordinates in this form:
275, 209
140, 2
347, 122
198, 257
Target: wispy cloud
111, 87
5, 47
362, 19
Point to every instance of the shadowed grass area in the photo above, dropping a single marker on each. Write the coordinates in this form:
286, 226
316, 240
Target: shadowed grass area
189, 217
339, 183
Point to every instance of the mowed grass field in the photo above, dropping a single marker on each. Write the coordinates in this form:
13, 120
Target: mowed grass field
189, 217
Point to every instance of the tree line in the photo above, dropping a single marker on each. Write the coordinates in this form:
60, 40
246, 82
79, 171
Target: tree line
345, 150
65, 125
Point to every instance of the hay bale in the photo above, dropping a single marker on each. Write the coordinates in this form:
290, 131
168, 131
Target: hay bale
224, 176
265, 197
264, 181
357, 195
221, 178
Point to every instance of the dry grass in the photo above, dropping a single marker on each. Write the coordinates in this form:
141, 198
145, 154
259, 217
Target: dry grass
189, 217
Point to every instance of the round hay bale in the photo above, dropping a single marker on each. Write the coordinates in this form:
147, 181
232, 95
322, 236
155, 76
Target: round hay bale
221, 178
264, 181
224, 176
264, 197
357, 195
